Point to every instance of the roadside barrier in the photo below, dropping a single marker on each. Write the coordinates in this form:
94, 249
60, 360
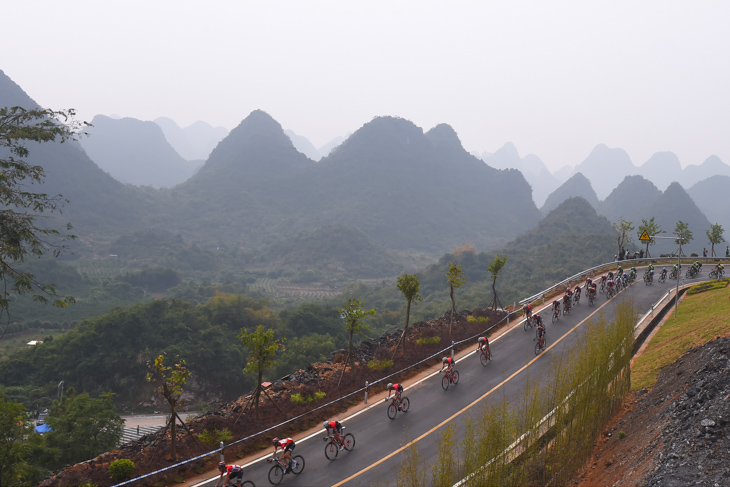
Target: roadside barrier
515, 311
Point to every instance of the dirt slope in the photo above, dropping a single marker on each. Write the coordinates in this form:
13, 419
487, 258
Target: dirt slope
677, 433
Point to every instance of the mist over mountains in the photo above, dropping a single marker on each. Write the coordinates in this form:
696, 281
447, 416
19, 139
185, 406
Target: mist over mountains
400, 188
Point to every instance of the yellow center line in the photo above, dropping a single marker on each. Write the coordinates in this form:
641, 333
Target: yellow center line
472, 404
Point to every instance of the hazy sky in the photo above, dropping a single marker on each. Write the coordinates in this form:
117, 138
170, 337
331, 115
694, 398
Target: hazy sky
553, 77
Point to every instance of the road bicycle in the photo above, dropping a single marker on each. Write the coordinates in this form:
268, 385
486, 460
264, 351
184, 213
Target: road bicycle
576, 296
541, 342
277, 472
691, 272
528, 323
648, 278
714, 273
450, 377
603, 286
566, 308
662, 276
610, 292
673, 274
336, 442
485, 355
591, 297
396, 405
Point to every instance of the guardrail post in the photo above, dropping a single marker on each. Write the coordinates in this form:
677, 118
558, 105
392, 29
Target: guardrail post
366, 392
452, 349
222, 457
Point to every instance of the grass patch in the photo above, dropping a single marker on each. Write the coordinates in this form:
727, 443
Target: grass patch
298, 398
700, 318
380, 364
477, 319
428, 340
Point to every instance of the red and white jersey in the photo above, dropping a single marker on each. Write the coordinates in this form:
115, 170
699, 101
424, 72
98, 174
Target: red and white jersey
284, 443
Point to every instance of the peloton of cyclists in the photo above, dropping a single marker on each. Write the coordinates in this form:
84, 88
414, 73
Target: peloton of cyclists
287, 445
232, 473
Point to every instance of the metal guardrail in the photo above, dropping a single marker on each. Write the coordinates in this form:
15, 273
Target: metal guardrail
579, 276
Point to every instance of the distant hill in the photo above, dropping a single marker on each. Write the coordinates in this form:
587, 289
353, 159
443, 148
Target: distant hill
99, 205
712, 166
135, 152
402, 188
712, 197
577, 185
304, 146
536, 173
605, 168
670, 207
330, 250
195, 142
629, 199
662, 169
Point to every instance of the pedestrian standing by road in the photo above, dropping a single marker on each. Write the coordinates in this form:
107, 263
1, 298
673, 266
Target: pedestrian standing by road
704, 252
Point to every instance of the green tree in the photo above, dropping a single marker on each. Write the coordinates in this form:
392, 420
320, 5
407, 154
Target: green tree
21, 209
353, 313
652, 228
409, 285
14, 429
262, 348
495, 268
683, 233
714, 235
170, 380
456, 278
622, 229
82, 427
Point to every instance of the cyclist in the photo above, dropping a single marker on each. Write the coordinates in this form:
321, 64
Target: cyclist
398, 388
232, 472
527, 310
483, 343
589, 282
566, 299
698, 266
610, 285
664, 273
540, 330
610, 275
556, 307
287, 445
577, 293
591, 291
336, 431
632, 274
448, 364
619, 271
719, 269
538, 322
675, 270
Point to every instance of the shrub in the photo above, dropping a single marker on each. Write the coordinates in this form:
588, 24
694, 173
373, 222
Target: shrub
708, 286
477, 319
380, 364
214, 437
299, 398
428, 340
121, 469
621, 435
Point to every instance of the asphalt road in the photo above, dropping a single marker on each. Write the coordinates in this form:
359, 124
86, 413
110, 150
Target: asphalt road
377, 455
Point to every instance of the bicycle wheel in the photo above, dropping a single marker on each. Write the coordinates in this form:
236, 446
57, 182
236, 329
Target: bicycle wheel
276, 475
248, 483
456, 377
331, 450
445, 382
392, 411
300, 465
483, 358
349, 441
405, 403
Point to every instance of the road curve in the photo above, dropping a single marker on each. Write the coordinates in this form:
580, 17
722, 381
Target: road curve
380, 442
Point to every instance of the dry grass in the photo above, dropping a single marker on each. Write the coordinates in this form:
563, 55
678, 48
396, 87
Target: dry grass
700, 318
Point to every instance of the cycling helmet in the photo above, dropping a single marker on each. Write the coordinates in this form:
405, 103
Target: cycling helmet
325, 425
390, 385
275, 441
444, 360
221, 466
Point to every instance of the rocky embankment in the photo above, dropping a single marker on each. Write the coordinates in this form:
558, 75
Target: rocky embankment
677, 433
